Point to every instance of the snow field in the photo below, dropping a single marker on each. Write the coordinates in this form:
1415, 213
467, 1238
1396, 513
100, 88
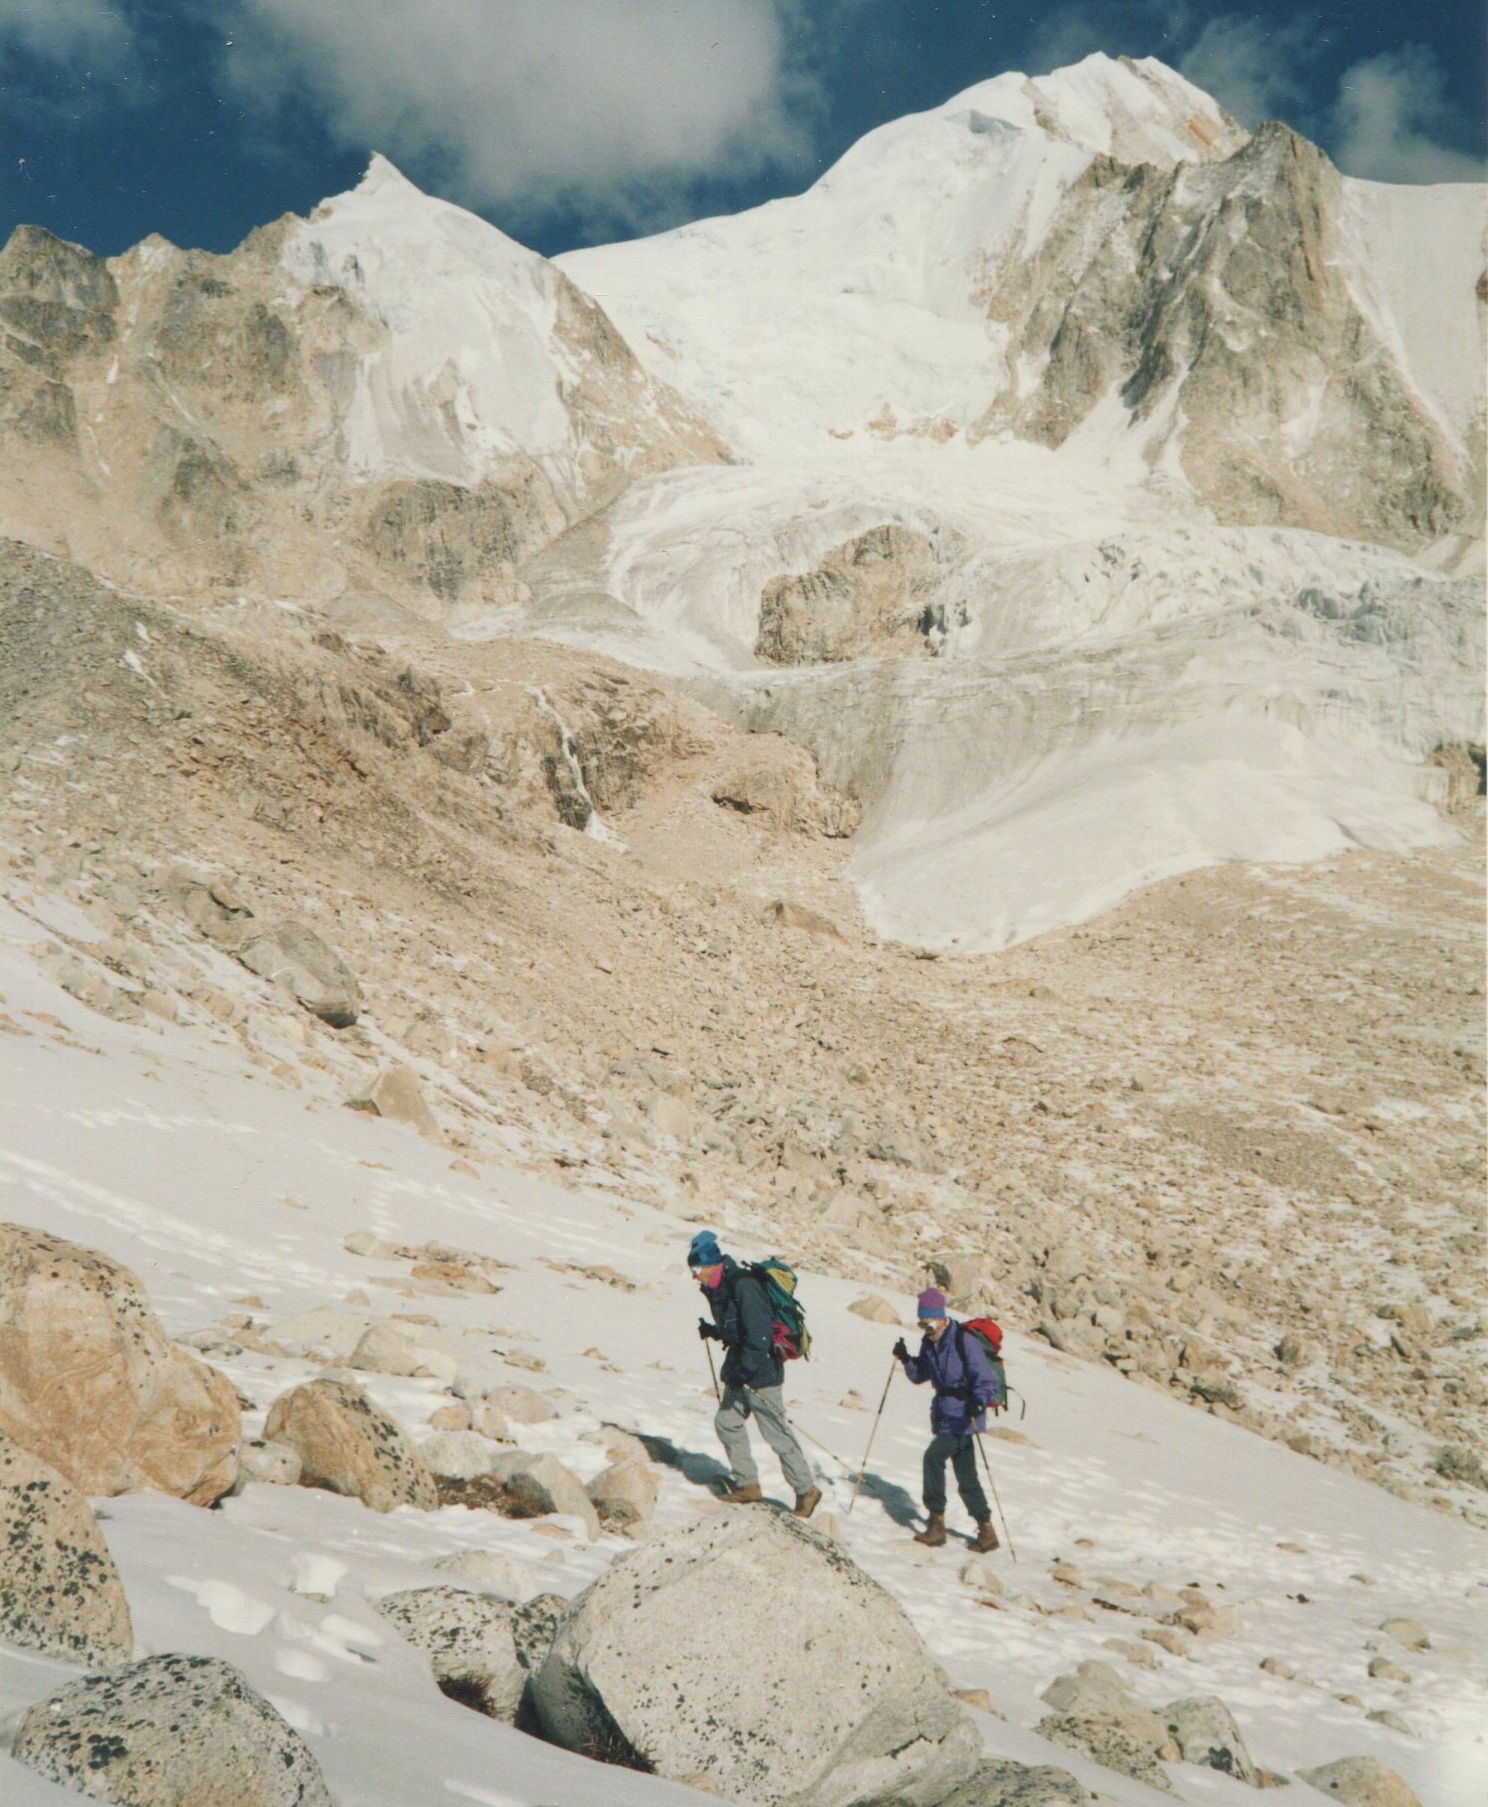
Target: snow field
170, 1156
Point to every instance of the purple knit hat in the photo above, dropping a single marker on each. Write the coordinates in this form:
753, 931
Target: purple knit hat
932, 1303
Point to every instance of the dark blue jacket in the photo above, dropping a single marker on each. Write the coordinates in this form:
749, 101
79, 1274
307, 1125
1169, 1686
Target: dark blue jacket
741, 1310
963, 1390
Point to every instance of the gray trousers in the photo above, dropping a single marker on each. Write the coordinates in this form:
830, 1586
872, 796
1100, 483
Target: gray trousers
767, 1404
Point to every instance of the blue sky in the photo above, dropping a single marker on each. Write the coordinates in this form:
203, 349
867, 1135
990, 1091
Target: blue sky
577, 121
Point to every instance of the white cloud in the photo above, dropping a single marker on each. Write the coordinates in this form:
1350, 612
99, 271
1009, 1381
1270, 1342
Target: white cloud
56, 31
532, 107
1252, 68
1391, 116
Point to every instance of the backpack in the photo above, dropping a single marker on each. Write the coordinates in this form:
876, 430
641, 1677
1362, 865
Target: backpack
989, 1335
789, 1336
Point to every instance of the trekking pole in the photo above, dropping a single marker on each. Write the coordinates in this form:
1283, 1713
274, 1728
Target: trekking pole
796, 1425
713, 1373
893, 1366
993, 1485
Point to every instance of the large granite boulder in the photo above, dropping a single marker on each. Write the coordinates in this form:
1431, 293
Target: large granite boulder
62, 1594
172, 1731
468, 1640
295, 959
90, 1382
820, 1695
1361, 1782
346, 1445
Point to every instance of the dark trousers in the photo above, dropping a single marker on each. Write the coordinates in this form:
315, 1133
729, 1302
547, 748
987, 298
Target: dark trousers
960, 1452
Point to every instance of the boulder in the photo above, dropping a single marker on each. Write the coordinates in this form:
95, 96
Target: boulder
90, 1382
624, 1495
468, 1640
1361, 1782
458, 1455
999, 1782
491, 1572
119, 1738
275, 1464
542, 1484
295, 959
874, 1309
324, 1333
347, 1445
62, 1594
961, 1276
1410, 1632
1096, 1714
395, 1094
522, 1405
1205, 1732
535, 1627
387, 1347
639, 1669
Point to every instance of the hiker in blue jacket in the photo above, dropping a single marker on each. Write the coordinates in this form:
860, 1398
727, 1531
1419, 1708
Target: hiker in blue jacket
753, 1376
961, 1372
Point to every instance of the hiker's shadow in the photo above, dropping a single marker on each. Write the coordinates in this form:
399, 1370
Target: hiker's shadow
900, 1506
702, 1470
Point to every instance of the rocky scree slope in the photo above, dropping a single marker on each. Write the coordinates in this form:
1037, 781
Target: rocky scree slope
1228, 1140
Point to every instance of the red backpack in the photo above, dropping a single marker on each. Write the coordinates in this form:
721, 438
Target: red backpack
989, 1335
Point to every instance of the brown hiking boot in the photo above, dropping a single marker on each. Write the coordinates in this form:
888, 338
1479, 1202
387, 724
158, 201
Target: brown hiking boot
807, 1503
934, 1533
986, 1537
749, 1495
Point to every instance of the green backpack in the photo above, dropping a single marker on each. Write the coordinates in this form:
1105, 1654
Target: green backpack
789, 1337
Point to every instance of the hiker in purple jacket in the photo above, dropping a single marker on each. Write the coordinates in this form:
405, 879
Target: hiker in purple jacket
959, 1369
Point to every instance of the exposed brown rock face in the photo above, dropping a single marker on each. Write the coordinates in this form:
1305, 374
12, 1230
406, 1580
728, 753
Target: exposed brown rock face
348, 1446
90, 1382
870, 596
1214, 297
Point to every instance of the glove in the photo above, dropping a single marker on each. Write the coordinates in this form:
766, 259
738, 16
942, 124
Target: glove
709, 1332
900, 1351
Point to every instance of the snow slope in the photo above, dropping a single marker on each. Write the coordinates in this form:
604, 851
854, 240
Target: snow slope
814, 314
172, 1155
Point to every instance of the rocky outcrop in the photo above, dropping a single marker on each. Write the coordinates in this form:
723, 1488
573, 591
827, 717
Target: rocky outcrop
90, 1382
1361, 1782
346, 1445
1216, 296
1205, 1732
638, 1670
293, 957
62, 1594
872, 595
120, 1738
468, 1640
775, 780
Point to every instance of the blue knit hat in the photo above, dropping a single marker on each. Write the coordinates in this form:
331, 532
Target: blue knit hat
703, 1250
931, 1303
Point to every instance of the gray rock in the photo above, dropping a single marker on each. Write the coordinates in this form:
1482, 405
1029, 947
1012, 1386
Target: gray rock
395, 1095
522, 1405
390, 1348
1410, 1632
468, 1640
542, 1484
119, 1738
348, 1446
490, 1571
62, 1593
534, 1627
999, 1782
295, 959
275, 1464
624, 1495
458, 1455
636, 1663
1361, 1782
1206, 1733
1119, 1740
